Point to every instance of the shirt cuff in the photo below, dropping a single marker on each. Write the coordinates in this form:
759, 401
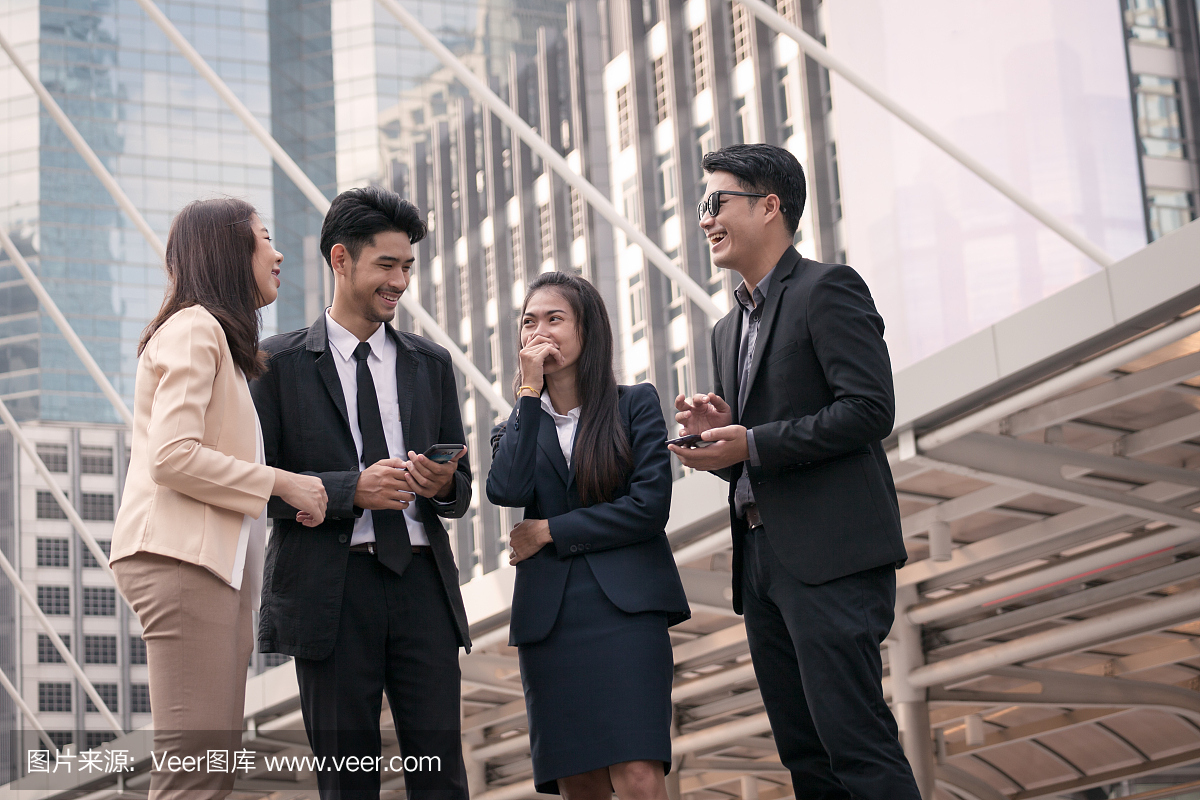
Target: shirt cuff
754, 462
446, 504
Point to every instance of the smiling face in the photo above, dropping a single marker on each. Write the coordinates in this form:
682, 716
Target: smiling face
265, 262
368, 289
549, 315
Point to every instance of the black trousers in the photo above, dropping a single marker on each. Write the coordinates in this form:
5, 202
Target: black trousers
816, 657
396, 635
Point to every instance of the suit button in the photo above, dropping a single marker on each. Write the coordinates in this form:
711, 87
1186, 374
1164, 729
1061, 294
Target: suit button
587, 547
574, 549
343, 538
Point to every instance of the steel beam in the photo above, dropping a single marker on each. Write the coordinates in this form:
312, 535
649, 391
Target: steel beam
965, 785
1158, 436
959, 507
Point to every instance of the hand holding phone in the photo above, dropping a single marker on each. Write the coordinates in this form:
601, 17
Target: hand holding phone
442, 453
692, 441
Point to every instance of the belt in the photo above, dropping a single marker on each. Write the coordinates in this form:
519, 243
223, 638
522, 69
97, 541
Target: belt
369, 547
752, 517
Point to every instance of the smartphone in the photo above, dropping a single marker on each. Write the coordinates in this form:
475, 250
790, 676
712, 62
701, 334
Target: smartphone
694, 441
441, 453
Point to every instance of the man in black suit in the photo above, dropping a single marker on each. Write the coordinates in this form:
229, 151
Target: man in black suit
816, 526
368, 602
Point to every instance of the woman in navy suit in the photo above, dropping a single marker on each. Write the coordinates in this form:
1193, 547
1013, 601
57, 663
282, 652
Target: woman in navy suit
596, 585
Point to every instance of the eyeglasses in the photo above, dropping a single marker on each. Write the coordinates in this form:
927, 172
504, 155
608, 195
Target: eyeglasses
712, 204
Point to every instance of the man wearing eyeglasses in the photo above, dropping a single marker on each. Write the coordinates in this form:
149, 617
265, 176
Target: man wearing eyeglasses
803, 398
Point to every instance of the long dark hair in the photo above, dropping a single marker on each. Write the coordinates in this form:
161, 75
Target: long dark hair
210, 263
601, 454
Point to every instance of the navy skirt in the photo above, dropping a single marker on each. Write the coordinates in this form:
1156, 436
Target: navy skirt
598, 688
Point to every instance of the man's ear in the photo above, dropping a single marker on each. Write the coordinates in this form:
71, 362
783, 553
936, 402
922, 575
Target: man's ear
339, 259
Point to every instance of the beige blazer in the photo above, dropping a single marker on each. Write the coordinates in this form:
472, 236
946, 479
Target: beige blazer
192, 472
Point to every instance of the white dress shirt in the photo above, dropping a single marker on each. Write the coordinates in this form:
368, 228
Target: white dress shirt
382, 363
564, 424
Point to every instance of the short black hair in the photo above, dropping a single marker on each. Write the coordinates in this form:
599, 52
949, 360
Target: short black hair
766, 169
356, 215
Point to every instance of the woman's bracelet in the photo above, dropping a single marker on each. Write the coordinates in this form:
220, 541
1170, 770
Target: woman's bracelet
530, 388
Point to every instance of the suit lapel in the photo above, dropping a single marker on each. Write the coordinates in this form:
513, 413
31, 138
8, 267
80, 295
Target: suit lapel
770, 311
406, 374
548, 441
318, 342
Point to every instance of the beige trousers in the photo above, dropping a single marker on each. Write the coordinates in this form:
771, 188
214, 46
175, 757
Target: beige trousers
199, 640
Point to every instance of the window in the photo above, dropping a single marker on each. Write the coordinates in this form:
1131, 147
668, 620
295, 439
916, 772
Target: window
99, 601
662, 101
54, 600
742, 27
578, 214
1168, 209
139, 698
54, 697
785, 100
518, 256
61, 738
489, 269
48, 507
637, 307
48, 653
108, 693
741, 121
665, 172
699, 60
96, 507
788, 10
99, 649
545, 232
624, 119
89, 561
681, 371
1148, 22
629, 201
137, 650
705, 143
54, 456
1160, 126
53, 553
96, 460
97, 738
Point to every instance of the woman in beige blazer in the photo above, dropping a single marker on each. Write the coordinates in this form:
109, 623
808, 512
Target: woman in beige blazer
188, 543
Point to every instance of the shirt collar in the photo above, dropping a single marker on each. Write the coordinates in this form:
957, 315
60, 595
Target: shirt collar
760, 292
549, 407
344, 342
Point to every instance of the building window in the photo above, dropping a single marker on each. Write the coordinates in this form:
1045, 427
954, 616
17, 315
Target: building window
54, 600
489, 269
61, 738
1159, 124
517, 253
742, 26
624, 118
54, 697
637, 307
89, 561
98, 738
741, 121
662, 101
699, 60
139, 698
99, 649
629, 201
96, 460
681, 372
99, 601
96, 507
545, 232
137, 650
48, 507
788, 10
1148, 22
108, 693
54, 456
53, 553
667, 196
785, 101
48, 653
705, 143
1168, 209
578, 214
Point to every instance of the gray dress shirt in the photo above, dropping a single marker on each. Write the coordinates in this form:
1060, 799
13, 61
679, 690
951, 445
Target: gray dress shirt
752, 311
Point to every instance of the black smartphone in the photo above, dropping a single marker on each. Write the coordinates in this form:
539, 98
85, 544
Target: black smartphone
441, 453
693, 441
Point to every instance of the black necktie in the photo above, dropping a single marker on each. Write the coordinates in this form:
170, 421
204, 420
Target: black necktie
391, 532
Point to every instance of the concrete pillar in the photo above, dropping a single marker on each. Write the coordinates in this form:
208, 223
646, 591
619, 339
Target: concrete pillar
911, 704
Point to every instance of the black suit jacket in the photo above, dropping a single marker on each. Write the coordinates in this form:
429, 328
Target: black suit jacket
306, 429
624, 541
820, 402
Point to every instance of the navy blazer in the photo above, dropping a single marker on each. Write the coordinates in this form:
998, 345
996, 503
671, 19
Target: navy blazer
624, 541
